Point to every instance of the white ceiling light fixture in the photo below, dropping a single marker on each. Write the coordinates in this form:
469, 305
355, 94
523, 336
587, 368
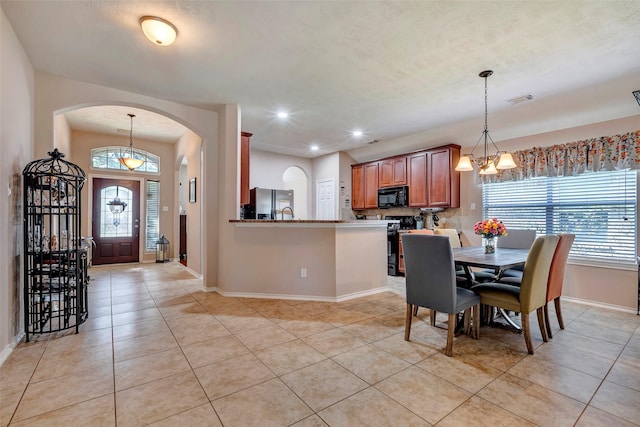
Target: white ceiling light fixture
130, 158
314, 148
158, 30
490, 163
283, 114
357, 133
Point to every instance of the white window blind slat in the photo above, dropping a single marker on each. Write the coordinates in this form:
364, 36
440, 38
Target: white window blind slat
599, 208
153, 215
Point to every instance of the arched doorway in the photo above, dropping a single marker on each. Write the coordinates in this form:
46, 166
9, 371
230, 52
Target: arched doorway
295, 179
81, 128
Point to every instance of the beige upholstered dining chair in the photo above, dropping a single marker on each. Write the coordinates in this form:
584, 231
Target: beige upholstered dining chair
531, 294
452, 234
431, 283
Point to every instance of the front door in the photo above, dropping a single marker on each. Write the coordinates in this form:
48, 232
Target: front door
117, 235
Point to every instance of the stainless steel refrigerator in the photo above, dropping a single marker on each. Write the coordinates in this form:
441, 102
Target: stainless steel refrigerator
265, 203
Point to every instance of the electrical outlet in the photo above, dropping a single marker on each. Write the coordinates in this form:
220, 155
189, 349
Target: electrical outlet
473, 206
303, 272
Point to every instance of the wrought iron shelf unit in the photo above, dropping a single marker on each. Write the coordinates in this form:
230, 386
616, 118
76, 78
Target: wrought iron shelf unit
55, 259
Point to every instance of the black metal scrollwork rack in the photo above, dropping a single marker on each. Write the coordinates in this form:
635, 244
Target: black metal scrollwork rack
55, 261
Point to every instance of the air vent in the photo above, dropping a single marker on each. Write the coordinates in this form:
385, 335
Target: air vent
123, 131
636, 94
520, 99
373, 141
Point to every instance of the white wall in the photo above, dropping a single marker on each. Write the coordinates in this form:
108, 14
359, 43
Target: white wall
16, 141
189, 148
267, 169
327, 167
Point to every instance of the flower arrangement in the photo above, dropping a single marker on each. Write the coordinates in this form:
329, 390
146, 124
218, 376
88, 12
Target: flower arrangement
490, 228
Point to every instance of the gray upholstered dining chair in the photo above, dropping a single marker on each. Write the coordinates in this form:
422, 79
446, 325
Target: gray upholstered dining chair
431, 283
531, 294
515, 239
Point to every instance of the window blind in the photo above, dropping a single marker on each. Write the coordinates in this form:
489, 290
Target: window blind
153, 215
599, 208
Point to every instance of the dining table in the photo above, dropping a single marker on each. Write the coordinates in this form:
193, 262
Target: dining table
498, 261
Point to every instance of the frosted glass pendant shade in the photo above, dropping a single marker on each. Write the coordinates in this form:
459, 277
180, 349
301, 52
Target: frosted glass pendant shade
464, 164
506, 162
158, 30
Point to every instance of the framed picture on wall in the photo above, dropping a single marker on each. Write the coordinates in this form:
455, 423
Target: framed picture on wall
192, 190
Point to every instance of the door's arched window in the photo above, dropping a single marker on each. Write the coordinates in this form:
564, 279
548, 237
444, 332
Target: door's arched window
107, 158
116, 222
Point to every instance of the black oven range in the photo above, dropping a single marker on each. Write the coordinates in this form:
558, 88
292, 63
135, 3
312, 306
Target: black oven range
400, 222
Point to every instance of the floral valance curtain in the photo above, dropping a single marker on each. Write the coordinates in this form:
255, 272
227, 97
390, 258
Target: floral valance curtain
573, 158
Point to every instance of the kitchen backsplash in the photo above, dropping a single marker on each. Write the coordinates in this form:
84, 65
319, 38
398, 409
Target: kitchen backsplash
448, 218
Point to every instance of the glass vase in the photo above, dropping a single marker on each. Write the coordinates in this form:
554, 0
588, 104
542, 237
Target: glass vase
489, 244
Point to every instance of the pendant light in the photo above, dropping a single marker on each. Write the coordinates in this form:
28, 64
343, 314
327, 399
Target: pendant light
131, 159
116, 206
488, 164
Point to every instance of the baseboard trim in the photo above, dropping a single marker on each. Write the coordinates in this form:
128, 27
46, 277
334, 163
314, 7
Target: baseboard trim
600, 304
340, 298
6, 352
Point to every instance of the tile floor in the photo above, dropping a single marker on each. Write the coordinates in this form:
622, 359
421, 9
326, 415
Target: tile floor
157, 350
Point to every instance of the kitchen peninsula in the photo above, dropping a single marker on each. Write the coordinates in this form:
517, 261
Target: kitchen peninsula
323, 260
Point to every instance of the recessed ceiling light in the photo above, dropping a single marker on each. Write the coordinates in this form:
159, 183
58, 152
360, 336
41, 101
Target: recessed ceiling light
158, 30
283, 114
314, 148
357, 133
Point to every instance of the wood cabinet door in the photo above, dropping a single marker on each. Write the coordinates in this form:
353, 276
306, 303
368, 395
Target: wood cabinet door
392, 172
443, 182
245, 151
371, 185
417, 171
357, 187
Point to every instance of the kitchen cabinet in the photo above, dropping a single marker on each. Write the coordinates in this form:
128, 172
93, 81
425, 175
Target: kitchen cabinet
392, 172
245, 154
417, 172
433, 181
364, 186
443, 181
357, 187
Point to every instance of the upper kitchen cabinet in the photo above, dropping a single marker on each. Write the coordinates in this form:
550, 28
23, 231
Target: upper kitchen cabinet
245, 152
443, 181
392, 172
364, 184
433, 181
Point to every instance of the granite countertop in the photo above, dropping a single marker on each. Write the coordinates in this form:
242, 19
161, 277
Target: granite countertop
290, 221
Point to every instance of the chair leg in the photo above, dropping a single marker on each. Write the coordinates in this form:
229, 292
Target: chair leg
559, 312
527, 332
467, 321
476, 321
415, 310
432, 317
450, 331
547, 322
543, 328
407, 322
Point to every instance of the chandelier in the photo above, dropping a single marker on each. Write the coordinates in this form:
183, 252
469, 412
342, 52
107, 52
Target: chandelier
130, 158
488, 164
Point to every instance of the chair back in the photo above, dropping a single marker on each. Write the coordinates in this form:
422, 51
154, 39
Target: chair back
421, 231
533, 289
452, 234
558, 264
429, 272
517, 239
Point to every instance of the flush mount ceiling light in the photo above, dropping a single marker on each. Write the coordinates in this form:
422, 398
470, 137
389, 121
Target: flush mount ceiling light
488, 164
130, 158
357, 133
158, 30
636, 93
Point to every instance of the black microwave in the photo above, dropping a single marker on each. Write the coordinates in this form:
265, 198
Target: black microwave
393, 197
